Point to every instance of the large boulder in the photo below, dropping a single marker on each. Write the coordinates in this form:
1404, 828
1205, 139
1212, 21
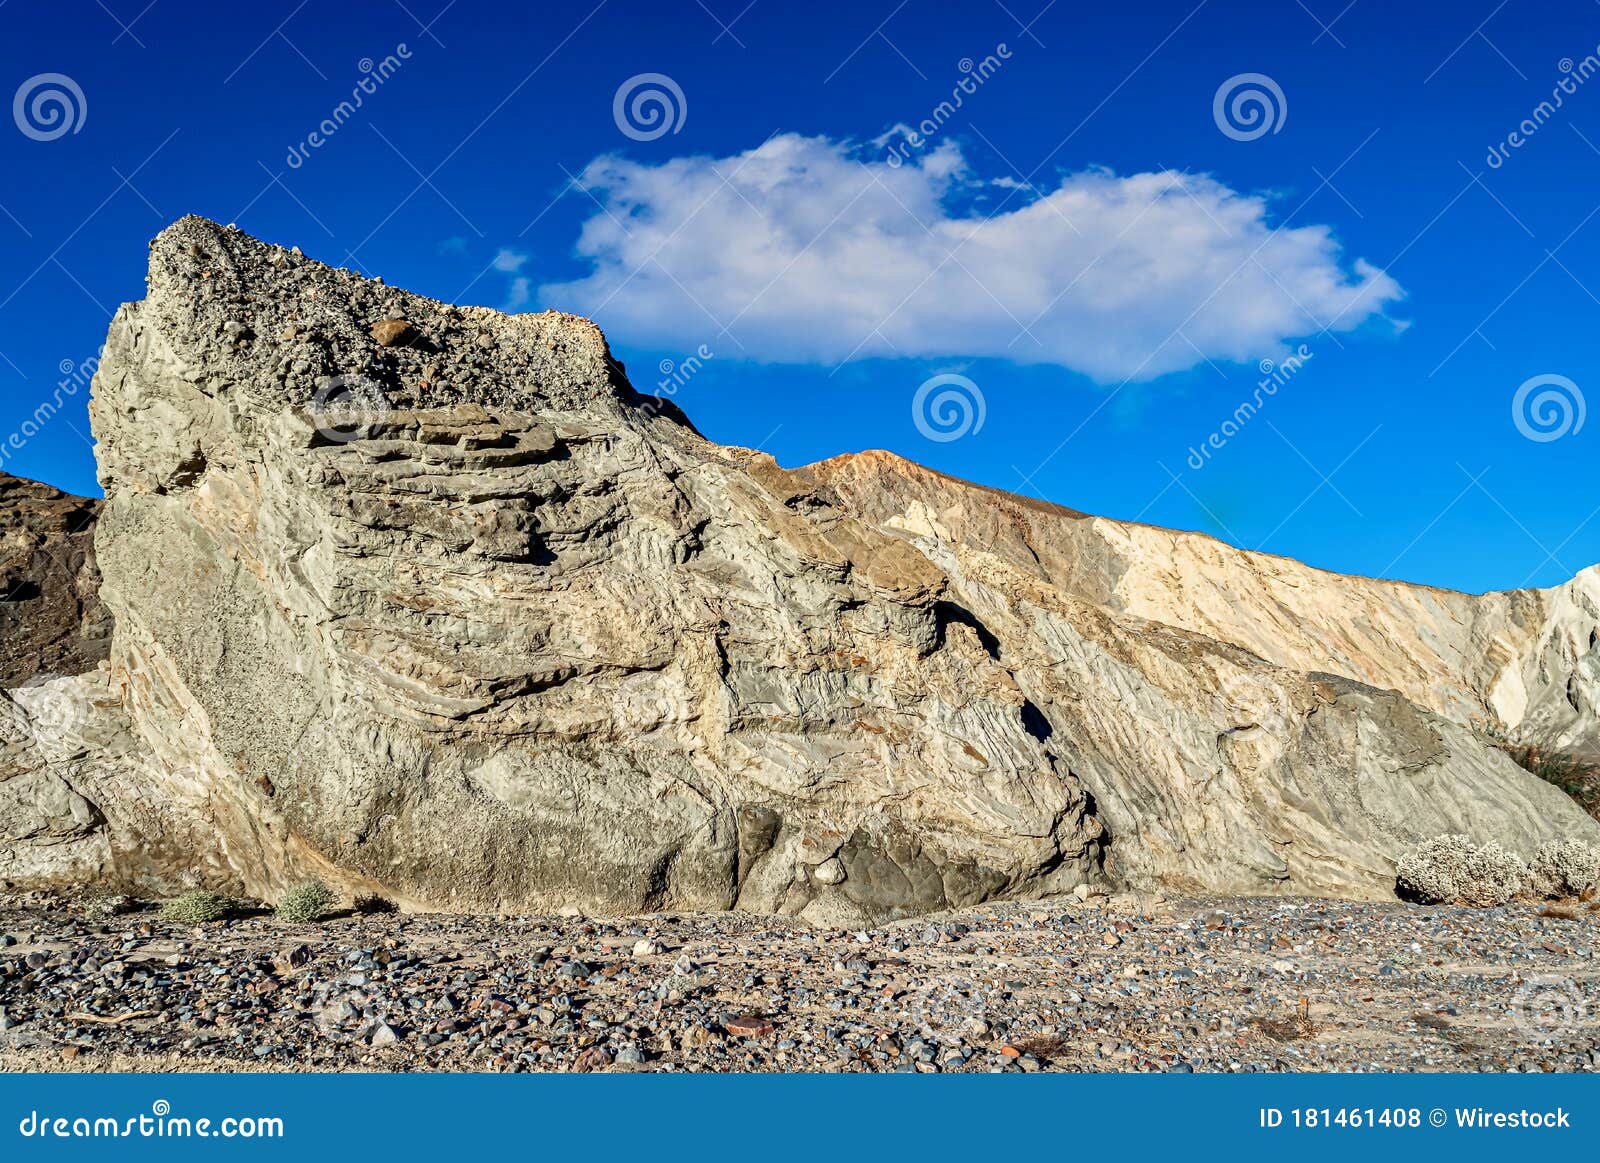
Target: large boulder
427, 600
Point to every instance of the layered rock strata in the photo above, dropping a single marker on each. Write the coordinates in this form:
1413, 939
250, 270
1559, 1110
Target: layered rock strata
426, 600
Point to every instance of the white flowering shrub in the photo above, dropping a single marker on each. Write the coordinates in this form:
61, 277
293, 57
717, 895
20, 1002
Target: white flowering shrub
1564, 868
1450, 870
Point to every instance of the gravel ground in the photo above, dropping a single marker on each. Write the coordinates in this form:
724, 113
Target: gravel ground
1121, 984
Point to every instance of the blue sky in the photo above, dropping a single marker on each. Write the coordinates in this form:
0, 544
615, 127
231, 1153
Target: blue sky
1082, 244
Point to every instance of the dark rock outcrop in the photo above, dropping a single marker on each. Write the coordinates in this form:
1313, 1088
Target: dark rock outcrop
51, 619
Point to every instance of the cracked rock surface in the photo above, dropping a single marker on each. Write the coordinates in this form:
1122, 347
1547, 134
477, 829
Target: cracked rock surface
447, 611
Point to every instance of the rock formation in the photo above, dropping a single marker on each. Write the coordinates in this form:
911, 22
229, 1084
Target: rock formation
51, 619
1523, 663
428, 601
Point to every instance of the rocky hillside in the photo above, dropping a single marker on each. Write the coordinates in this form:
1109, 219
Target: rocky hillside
428, 601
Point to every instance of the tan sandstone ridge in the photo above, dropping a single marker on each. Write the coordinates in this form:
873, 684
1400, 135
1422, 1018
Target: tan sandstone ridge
428, 601
1522, 664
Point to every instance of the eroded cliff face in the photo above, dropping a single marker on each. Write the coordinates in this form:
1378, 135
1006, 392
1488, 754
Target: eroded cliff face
1344, 713
1523, 665
426, 600
504, 635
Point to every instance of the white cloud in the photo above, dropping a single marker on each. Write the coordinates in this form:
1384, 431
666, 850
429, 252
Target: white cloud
518, 294
508, 261
805, 252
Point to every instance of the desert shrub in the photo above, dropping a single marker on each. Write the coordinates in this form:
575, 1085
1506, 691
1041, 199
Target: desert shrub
307, 901
1453, 870
101, 904
1428, 873
1579, 778
1492, 877
371, 904
200, 906
1564, 868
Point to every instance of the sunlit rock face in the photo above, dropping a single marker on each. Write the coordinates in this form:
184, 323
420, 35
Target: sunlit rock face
1345, 712
428, 601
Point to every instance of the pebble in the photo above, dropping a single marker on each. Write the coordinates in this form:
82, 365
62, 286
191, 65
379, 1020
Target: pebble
830, 871
749, 1026
389, 332
1193, 985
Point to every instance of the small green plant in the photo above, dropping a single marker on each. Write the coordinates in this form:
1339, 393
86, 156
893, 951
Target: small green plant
306, 902
101, 904
200, 906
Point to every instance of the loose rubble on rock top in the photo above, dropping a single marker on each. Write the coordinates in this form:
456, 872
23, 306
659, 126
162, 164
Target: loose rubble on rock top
1126, 984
